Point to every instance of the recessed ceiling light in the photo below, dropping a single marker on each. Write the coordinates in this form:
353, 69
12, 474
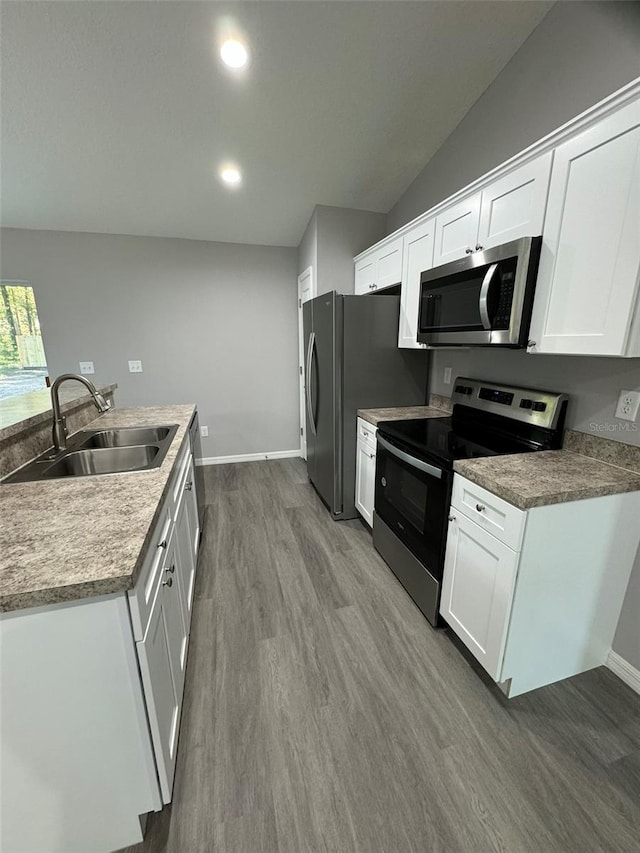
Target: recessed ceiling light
231, 175
234, 54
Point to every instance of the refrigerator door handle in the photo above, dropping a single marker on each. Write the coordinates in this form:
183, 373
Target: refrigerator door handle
312, 343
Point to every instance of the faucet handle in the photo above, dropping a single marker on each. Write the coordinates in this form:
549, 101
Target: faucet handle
103, 404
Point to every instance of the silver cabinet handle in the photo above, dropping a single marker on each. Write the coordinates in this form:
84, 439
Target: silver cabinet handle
480, 507
452, 518
168, 582
479, 248
468, 251
162, 544
188, 486
171, 569
372, 456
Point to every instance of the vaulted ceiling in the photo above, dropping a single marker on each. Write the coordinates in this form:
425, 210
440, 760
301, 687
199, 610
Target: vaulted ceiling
116, 115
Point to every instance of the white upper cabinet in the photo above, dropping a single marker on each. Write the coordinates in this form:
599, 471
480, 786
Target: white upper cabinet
514, 206
365, 275
380, 267
586, 295
456, 230
417, 256
505, 210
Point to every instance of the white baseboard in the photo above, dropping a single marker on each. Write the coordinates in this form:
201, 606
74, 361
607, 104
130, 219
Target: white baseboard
249, 457
624, 670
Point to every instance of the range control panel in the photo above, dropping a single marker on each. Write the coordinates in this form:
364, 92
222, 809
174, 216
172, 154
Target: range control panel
542, 408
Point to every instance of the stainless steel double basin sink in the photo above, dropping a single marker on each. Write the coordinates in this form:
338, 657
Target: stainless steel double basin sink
104, 451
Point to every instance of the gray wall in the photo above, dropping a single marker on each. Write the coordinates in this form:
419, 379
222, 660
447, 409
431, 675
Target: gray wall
343, 233
214, 324
308, 248
579, 54
592, 383
330, 241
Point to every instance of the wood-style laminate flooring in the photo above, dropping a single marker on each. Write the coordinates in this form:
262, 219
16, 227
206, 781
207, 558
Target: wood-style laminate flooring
323, 713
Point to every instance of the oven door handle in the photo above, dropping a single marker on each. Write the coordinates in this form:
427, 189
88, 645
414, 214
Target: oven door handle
484, 297
410, 460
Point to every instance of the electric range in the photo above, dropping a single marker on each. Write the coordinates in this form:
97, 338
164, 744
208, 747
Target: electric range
414, 472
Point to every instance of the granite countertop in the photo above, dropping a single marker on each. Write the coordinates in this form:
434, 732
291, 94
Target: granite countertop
24, 411
63, 540
528, 480
400, 413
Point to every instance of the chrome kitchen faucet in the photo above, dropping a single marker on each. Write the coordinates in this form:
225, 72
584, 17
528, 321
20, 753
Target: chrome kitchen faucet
59, 421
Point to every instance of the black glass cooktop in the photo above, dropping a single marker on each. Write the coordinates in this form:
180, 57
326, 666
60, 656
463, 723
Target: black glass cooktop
443, 441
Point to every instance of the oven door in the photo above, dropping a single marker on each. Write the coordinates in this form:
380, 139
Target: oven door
412, 498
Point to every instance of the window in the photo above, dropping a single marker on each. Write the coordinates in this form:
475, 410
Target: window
23, 366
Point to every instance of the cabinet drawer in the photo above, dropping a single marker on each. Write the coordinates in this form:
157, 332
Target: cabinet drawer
141, 598
367, 434
503, 520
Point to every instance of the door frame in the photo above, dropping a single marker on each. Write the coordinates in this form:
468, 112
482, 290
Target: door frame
306, 282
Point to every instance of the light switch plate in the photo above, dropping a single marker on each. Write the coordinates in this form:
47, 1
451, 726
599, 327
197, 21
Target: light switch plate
86, 367
628, 405
135, 367
204, 431
447, 376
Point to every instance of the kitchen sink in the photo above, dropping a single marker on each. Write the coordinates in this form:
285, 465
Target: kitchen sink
108, 460
126, 436
101, 451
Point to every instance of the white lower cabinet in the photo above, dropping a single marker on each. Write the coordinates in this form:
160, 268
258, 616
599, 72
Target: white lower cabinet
365, 470
477, 589
163, 651
163, 704
186, 558
92, 695
548, 610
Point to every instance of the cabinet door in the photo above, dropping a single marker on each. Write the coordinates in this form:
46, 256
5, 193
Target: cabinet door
163, 705
417, 255
172, 596
587, 285
365, 275
191, 500
477, 590
389, 266
456, 232
514, 206
186, 561
365, 481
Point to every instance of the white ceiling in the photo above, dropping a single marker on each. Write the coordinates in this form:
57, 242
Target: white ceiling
116, 115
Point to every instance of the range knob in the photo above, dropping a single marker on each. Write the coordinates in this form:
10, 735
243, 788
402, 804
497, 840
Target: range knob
539, 407
526, 404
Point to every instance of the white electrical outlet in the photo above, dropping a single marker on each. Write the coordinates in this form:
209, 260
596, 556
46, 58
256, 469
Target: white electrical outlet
447, 376
135, 367
204, 431
628, 405
86, 367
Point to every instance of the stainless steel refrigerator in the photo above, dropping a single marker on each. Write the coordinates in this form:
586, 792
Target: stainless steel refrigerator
352, 362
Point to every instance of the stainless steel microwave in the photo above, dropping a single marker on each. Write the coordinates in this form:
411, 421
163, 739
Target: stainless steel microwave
484, 299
